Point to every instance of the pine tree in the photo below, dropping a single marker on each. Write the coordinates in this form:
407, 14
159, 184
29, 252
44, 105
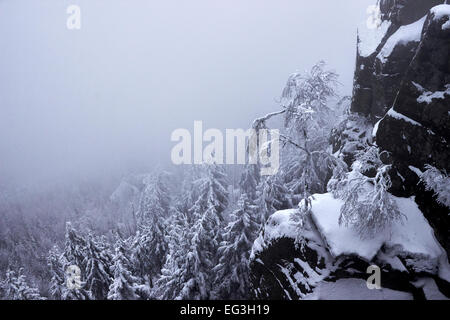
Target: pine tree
212, 197
75, 251
56, 263
150, 250
170, 283
17, 288
124, 284
198, 277
155, 199
98, 275
232, 271
272, 196
249, 181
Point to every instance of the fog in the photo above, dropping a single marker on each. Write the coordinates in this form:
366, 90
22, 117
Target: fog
103, 100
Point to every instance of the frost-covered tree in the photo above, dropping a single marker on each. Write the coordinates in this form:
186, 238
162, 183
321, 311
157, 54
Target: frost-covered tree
438, 182
98, 275
155, 199
75, 248
207, 211
368, 206
171, 281
75, 251
190, 276
232, 271
56, 263
212, 188
17, 288
272, 195
307, 163
150, 249
249, 181
150, 245
198, 277
124, 284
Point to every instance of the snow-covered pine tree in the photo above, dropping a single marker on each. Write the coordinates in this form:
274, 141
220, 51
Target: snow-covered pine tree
75, 250
271, 196
249, 181
124, 285
150, 250
56, 262
17, 288
154, 200
150, 245
197, 273
98, 263
212, 188
232, 271
207, 211
172, 279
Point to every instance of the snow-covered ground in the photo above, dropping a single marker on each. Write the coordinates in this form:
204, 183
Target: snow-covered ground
354, 289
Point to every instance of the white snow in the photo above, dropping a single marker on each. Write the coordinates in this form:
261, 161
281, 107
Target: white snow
403, 36
416, 170
354, 289
412, 235
278, 226
370, 39
394, 114
375, 128
446, 25
428, 96
440, 11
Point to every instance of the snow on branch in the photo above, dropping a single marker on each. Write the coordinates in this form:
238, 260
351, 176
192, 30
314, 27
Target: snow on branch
438, 182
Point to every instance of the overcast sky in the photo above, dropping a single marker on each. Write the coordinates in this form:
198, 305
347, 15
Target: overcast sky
104, 99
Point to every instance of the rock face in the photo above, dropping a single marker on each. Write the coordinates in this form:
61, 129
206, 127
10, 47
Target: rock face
416, 130
375, 83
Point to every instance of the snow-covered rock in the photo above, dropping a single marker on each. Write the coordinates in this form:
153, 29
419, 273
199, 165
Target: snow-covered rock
412, 237
324, 260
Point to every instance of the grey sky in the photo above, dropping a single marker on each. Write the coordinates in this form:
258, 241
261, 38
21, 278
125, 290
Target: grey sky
105, 99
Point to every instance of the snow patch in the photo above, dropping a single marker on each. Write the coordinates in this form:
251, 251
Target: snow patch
403, 36
354, 289
394, 114
370, 39
375, 128
278, 226
440, 11
413, 235
427, 96
416, 170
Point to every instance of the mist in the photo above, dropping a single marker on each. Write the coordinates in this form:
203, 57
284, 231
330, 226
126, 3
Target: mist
102, 101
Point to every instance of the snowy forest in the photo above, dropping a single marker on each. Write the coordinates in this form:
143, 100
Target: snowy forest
363, 181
